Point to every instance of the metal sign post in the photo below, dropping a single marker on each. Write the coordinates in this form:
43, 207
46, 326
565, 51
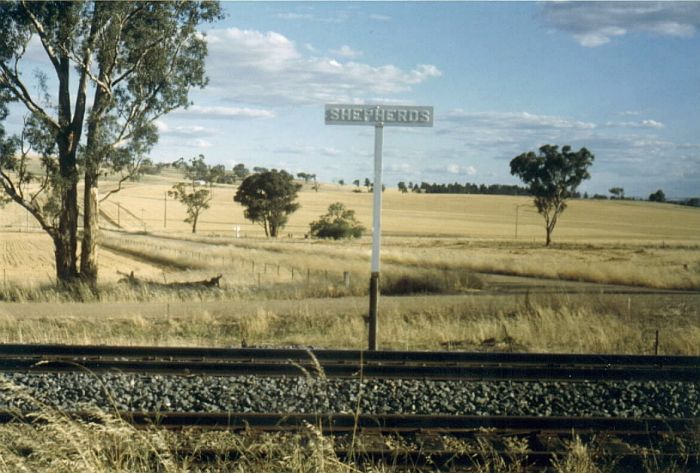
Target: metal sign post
378, 116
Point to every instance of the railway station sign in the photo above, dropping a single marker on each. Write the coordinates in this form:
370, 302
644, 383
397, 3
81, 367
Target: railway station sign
377, 116
387, 115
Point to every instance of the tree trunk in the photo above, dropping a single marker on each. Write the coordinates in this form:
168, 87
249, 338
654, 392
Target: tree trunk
91, 229
66, 238
64, 253
93, 159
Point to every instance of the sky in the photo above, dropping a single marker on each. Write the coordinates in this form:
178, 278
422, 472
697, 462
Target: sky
621, 79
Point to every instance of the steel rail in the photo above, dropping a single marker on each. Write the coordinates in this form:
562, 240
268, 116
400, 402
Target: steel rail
370, 371
348, 363
333, 424
543, 434
300, 354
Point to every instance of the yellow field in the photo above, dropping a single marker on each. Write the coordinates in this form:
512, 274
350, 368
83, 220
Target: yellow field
291, 291
143, 205
624, 242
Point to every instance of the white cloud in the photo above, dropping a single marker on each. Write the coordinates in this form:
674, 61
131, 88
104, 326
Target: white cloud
183, 130
454, 168
599, 37
267, 68
593, 24
639, 124
219, 112
196, 143
347, 52
513, 120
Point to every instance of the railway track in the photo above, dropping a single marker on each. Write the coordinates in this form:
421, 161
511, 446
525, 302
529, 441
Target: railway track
441, 441
629, 439
349, 363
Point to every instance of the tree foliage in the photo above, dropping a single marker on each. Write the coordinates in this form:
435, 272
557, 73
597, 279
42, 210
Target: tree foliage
552, 177
657, 196
338, 223
240, 172
195, 198
198, 170
618, 192
137, 59
269, 198
467, 188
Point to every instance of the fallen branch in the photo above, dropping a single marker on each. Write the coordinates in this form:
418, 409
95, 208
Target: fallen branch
132, 280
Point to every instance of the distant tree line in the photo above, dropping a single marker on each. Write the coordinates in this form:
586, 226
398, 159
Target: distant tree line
466, 188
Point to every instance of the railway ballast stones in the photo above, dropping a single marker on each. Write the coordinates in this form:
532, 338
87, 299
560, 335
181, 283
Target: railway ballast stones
71, 391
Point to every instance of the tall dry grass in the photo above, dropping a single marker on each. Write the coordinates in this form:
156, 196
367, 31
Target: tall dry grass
545, 323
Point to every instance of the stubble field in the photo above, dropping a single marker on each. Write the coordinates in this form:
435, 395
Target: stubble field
618, 272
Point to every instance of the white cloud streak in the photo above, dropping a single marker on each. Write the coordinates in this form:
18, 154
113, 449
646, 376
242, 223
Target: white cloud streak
219, 112
346, 52
594, 24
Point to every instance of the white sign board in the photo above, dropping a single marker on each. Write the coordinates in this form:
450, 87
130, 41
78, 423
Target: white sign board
387, 115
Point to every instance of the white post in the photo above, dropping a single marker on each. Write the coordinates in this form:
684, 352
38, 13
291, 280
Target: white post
377, 211
376, 235
379, 116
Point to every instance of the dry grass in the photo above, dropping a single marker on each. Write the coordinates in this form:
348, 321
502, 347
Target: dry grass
292, 290
547, 323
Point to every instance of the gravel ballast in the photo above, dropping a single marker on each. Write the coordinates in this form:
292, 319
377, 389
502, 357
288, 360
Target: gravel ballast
71, 391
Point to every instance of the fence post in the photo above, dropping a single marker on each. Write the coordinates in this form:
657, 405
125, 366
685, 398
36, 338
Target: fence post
656, 343
346, 279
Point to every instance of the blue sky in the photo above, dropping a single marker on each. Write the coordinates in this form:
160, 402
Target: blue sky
622, 79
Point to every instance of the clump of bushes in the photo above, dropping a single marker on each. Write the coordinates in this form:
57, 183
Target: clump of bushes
337, 224
429, 282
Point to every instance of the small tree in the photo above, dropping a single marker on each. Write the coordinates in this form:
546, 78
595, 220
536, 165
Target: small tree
197, 169
240, 171
338, 223
269, 199
195, 198
618, 192
304, 175
657, 196
356, 183
552, 177
402, 187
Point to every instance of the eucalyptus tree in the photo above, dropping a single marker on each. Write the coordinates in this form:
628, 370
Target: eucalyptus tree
116, 68
269, 197
552, 177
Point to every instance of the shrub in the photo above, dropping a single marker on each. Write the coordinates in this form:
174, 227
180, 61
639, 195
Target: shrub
429, 282
338, 223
